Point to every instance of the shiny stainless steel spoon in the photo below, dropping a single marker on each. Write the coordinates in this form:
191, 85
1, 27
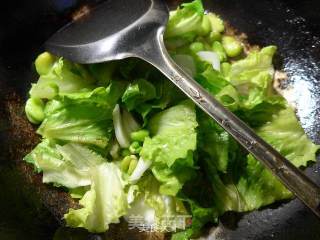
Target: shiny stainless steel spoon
119, 29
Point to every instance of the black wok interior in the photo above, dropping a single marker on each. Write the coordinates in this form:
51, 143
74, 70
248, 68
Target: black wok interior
294, 26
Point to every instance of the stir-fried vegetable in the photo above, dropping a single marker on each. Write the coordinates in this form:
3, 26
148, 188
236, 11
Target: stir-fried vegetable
125, 141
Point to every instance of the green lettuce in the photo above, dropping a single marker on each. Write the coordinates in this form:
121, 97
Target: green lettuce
248, 185
286, 134
252, 77
173, 178
256, 69
200, 217
215, 83
153, 206
173, 134
170, 96
68, 165
102, 72
59, 76
173, 139
213, 141
82, 117
137, 93
104, 203
186, 20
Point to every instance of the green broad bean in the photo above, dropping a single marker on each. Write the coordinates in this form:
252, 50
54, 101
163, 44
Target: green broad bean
44, 63
126, 162
132, 166
139, 135
35, 110
232, 46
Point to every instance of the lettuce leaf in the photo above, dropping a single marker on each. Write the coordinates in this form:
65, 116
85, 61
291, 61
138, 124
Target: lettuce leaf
213, 141
82, 117
286, 134
104, 203
102, 72
173, 134
215, 83
200, 216
173, 178
59, 76
68, 165
248, 185
252, 77
173, 138
137, 93
187, 22
255, 69
153, 206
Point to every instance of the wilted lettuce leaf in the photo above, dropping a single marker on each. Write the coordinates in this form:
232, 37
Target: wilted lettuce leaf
215, 142
59, 76
197, 196
172, 134
215, 83
153, 206
173, 178
68, 165
173, 137
138, 92
200, 216
248, 185
102, 72
187, 22
212, 80
104, 203
262, 110
252, 77
82, 117
167, 94
254, 68
285, 133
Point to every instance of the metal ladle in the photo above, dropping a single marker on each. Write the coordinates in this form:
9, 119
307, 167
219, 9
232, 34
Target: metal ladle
118, 29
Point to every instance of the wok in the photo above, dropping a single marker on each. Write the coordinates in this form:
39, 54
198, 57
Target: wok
31, 210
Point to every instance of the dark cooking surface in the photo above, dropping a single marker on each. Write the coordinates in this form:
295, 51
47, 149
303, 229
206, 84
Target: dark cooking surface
25, 25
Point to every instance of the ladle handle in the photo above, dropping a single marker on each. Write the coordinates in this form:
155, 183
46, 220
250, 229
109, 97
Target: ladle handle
293, 178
